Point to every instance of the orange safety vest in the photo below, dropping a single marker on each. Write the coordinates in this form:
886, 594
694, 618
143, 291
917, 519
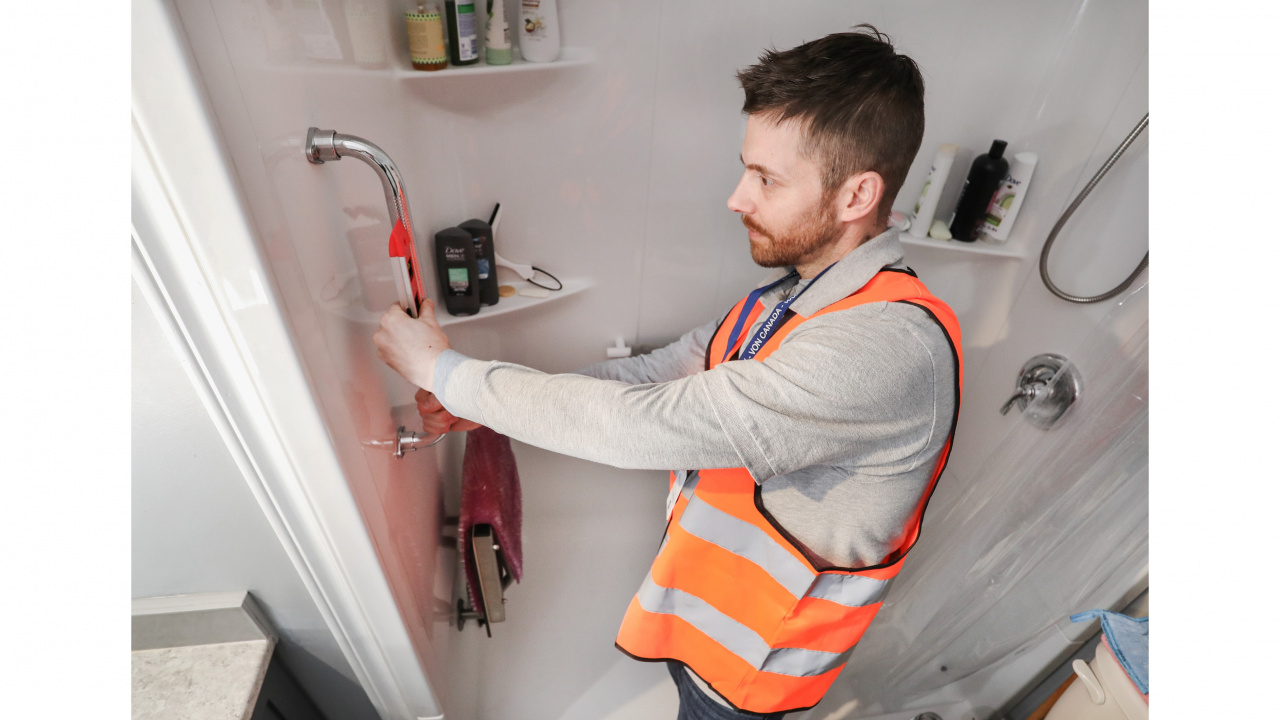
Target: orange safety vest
731, 595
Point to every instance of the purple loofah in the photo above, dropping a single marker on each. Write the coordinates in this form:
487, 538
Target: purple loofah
490, 495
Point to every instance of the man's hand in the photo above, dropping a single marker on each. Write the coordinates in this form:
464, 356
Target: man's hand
410, 346
436, 420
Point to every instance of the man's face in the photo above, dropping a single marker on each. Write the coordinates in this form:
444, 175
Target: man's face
789, 218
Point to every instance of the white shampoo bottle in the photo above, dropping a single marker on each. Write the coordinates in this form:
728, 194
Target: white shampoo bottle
1008, 199
922, 218
539, 30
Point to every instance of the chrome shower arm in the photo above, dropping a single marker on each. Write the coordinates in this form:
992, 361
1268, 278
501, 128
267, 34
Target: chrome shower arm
325, 145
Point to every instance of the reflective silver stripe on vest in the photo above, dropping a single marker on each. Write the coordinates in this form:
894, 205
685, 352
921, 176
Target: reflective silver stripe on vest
731, 634
746, 541
800, 662
850, 590
734, 636
690, 483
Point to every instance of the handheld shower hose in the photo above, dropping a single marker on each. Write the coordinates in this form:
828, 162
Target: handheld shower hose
1066, 215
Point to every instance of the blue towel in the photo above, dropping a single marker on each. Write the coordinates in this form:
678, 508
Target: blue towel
1128, 640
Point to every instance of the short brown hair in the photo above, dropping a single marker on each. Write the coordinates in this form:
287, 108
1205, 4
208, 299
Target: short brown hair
861, 105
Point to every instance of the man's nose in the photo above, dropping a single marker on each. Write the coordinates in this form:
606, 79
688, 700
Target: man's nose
740, 201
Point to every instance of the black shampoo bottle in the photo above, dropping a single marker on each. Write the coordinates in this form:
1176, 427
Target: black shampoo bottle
482, 235
984, 179
457, 272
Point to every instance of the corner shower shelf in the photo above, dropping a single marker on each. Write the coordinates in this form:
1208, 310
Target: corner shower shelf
976, 248
569, 56
572, 286
357, 313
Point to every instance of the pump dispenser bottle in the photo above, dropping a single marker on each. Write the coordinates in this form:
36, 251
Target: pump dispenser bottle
984, 179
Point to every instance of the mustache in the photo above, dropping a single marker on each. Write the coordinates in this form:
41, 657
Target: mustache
755, 226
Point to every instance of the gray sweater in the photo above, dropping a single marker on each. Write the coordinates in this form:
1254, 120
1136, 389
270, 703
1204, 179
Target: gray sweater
840, 426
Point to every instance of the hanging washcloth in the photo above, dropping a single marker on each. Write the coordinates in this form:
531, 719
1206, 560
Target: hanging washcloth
490, 496
1126, 638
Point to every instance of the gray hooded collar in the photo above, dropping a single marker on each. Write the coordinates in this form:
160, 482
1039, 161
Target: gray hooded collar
848, 274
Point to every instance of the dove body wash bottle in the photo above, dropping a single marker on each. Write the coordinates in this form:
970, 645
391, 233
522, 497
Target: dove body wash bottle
1008, 199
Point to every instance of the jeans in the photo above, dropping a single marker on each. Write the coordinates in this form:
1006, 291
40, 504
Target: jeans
695, 705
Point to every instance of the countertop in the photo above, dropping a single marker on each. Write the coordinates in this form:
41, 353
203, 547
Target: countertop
193, 676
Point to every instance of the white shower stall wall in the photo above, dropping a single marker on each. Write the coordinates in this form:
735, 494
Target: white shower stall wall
615, 170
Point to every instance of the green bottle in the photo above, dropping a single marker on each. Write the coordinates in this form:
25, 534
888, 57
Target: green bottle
463, 48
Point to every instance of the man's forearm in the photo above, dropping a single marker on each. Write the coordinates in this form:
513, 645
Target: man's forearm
649, 426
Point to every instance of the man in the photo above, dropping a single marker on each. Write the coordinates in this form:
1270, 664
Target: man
810, 424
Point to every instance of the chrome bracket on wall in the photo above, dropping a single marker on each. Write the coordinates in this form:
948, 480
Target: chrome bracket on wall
408, 441
1047, 385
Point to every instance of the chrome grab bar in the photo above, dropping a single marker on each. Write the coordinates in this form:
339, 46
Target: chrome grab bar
328, 145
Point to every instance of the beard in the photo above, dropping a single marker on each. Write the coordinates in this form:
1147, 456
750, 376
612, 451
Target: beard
816, 228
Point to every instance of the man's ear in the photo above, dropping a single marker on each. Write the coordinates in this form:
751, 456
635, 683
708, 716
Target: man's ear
859, 196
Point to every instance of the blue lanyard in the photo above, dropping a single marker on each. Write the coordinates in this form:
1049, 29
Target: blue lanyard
770, 324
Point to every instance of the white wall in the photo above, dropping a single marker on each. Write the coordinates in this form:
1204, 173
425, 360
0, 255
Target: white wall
197, 527
619, 171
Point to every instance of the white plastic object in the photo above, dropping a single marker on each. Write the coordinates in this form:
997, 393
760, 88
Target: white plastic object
539, 30
365, 26
927, 205
939, 231
1119, 688
1004, 206
1102, 691
619, 349
404, 286
1091, 683
524, 271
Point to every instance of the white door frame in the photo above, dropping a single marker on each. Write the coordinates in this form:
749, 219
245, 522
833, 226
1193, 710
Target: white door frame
196, 262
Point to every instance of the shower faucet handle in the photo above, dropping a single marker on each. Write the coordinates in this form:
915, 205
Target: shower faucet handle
1029, 392
1047, 385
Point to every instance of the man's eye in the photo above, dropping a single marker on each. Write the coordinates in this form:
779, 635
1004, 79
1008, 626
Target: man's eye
765, 181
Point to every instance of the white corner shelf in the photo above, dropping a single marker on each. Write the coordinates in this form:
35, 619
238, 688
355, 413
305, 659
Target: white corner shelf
569, 57
977, 247
515, 303
358, 314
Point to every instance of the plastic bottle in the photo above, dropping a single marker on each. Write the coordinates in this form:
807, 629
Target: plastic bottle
984, 179
486, 264
1003, 209
457, 271
426, 36
927, 205
366, 26
497, 43
539, 30
463, 39
315, 32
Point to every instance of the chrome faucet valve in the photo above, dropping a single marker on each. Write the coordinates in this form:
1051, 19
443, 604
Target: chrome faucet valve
1047, 385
